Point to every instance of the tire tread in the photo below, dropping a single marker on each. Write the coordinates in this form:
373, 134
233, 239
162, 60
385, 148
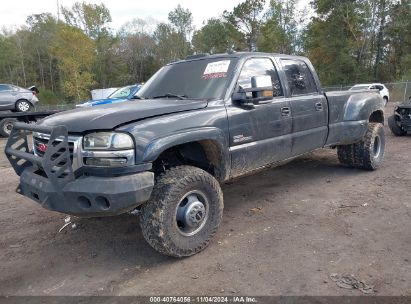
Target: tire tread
167, 189
360, 155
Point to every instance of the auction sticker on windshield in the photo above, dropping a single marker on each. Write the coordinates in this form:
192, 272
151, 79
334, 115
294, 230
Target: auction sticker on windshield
217, 69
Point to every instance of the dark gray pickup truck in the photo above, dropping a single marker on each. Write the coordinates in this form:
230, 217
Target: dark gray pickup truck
195, 124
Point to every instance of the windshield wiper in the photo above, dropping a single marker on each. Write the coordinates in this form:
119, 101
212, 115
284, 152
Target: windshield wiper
137, 97
170, 95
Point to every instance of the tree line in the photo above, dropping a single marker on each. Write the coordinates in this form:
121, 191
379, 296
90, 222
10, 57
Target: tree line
348, 42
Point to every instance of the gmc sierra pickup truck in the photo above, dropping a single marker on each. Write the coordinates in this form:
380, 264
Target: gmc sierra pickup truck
197, 123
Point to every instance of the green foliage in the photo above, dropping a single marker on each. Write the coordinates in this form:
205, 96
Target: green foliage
91, 18
217, 36
348, 42
9, 63
182, 21
171, 45
75, 53
246, 17
332, 57
279, 31
399, 39
359, 41
49, 97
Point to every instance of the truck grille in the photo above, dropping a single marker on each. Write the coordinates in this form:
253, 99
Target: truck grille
38, 142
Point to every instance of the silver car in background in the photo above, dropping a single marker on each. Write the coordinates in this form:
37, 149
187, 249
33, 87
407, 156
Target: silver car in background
17, 99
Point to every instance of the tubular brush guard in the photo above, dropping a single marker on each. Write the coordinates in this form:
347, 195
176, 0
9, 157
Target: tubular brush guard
56, 161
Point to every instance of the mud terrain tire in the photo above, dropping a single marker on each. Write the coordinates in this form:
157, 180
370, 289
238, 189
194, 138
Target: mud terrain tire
181, 196
368, 153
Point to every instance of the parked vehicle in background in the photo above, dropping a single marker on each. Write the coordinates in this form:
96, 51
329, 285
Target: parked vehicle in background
123, 94
98, 94
400, 122
7, 119
384, 92
14, 98
199, 122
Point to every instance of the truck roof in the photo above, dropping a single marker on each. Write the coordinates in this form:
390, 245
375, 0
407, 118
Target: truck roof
236, 55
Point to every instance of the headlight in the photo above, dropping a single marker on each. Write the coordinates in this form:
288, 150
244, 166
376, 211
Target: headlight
107, 141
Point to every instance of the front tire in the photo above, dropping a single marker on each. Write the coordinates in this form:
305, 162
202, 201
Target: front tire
368, 153
183, 213
394, 127
23, 106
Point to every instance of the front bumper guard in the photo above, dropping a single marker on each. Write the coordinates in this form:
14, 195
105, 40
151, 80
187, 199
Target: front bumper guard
55, 163
50, 181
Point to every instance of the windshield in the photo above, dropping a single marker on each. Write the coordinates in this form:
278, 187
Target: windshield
122, 92
358, 88
197, 79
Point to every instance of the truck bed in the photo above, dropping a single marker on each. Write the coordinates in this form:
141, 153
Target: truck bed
348, 114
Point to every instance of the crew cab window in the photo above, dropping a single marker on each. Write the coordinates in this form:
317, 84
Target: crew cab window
260, 67
299, 77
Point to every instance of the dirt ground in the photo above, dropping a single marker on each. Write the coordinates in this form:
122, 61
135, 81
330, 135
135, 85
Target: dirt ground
285, 231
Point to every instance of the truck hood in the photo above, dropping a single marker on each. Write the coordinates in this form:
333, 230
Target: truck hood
107, 117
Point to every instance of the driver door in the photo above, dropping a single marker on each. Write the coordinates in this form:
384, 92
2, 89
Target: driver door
260, 134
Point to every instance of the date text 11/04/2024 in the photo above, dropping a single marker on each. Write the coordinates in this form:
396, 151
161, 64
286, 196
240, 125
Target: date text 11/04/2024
204, 299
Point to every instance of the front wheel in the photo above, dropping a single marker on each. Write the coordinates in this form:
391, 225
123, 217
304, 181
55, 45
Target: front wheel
368, 153
183, 213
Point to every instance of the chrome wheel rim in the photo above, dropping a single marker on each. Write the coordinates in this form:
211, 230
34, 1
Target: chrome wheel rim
23, 106
377, 147
192, 213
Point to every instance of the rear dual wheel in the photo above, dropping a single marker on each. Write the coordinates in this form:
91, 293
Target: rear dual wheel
368, 153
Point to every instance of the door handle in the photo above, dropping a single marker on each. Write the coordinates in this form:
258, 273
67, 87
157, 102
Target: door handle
318, 106
285, 111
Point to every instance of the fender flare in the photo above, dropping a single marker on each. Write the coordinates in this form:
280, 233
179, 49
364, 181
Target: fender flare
159, 145
359, 107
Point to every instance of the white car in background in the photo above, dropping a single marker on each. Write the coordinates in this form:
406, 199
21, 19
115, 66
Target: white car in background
385, 94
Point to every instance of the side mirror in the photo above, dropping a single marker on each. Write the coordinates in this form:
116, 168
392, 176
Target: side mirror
261, 90
240, 96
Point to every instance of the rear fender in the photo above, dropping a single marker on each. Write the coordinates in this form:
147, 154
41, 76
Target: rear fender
354, 123
359, 107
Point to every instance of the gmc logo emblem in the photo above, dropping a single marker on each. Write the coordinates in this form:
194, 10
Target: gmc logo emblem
42, 147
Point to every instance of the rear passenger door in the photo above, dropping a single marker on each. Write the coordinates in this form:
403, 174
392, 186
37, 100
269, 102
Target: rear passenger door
309, 107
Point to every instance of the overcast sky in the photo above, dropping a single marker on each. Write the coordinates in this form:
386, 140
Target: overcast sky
15, 12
